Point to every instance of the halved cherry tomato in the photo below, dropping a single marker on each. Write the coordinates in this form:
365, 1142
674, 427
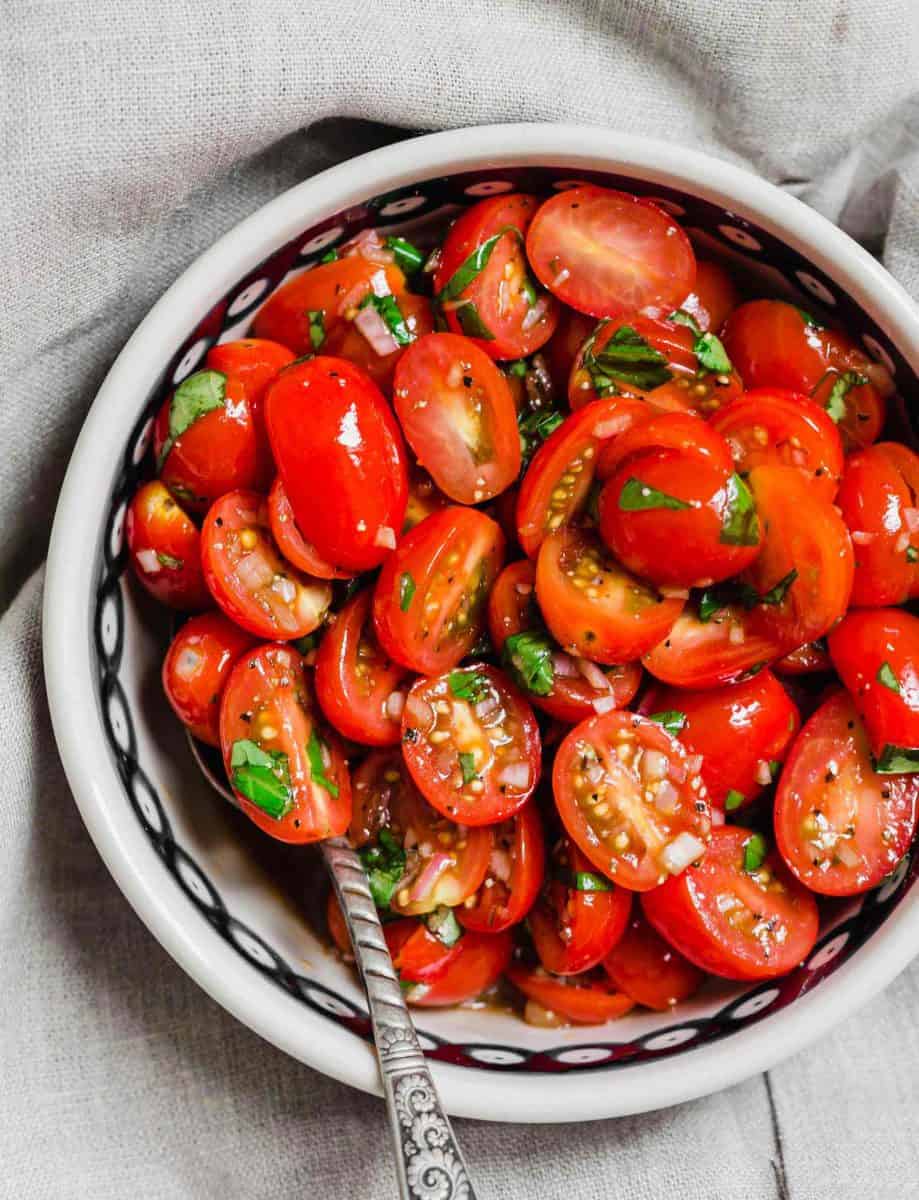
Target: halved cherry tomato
330, 426
809, 659
255, 362
581, 999
472, 744
704, 654
418, 955
287, 773
606, 252
514, 876
303, 311
196, 667
165, 549
378, 352
629, 799
457, 415
481, 961
562, 348
854, 403
338, 930
676, 520
579, 916
424, 860
769, 426
247, 577
424, 497
483, 283
713, 298
290, 541
736, 914
685, 432
649, 970
358, 688
743, 733
569, 689
875, 500
633, 355
429, 603
906, 462
876, 652
594, 607
206, 442
840, 826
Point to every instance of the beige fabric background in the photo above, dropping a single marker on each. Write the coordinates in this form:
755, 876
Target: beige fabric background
132, 134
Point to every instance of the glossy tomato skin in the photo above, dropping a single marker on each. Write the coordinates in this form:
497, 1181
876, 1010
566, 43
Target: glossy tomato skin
345, 340
607, 776
876, 653
704, 654
562, 348
165, 549
457, 414
418, 955
472, 745
249, 579
502, 292
479, 964
196, 667
331, 428
672, 342
809, 659
267, 702
649, 970
254, 362
743, 733
713, 298
874, 500
684, 432
429, 601
356, 684
290, 541
769, 931
514, 877
338, 930
839, 825
605, 252
578, 1000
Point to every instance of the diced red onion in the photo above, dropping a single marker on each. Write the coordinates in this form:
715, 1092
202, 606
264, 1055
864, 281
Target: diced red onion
595, 772
395, 703
798, 456
666, 797
500, 864
847, 854
534, 314
654, 765
592, 674
486, 705
694, 764
561, 277
380, 284
369, 245
149, 562
515, 775
254, 571
564, 665
376, 331
285, 588
603, 704
419, 710
385, 537
428, 876
612, 426
763, 775
677, 855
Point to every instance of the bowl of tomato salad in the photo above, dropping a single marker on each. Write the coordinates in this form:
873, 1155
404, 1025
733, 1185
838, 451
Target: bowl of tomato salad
536, 507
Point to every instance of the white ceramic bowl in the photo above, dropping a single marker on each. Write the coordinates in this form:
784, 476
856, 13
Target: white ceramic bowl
200, 881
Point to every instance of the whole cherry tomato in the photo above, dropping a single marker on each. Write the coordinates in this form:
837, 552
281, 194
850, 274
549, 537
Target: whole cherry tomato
195, 669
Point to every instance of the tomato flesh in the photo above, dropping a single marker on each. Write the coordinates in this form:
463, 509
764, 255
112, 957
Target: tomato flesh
514, 876
165, 549
578, 1000
481, 961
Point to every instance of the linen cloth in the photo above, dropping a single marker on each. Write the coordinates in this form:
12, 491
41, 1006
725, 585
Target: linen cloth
133, 134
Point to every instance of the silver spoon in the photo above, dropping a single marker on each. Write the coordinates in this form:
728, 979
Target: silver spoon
428, 1158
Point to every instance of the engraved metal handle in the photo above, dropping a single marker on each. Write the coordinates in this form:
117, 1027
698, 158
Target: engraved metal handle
428, 1158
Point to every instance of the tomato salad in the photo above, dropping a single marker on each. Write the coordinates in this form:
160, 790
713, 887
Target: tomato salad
568, 582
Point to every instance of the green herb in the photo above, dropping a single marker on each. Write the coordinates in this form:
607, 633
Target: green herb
750, 672
529, 290
774, 767
262, 776
389, 310
628, 358
443, 924
742, 595
471, 322
637, 496
518, 367
836, 405
195, 396
587, 881
317, 766
528, 656
754, 852
807, 318
911, 554
317, 327
886, 676
468, 685
467, 766
672, 720
384, 863
682, 317
406, 591
733, 800
305, 644
167, 560
472, 267
329, 256
711, 354
408, 257
897, 760
534, 428
776, 595
740, 525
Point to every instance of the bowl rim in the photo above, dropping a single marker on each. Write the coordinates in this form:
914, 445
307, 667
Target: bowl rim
70, 584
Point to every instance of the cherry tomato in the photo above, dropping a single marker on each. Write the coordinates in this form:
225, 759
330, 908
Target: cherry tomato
906, 462
562, 348
290, 541
255, 362
196, 667
685, 432
569, 689
648, 970
743, 733
472, 744
358, 688
875, 502
676, 520
713, 298
377, 352
429, 604
330, 428
579, 917
338, 930
483, 283
288, 775
165, 549
854, 403
606, 252
876, 652
700, 653
424, 497
457, 415
580, 1000
418, 955
629, 800
514, 876
737, 914
809, 659
839, 825
420, 861
768, 426
481, 961
595, 608
635, 355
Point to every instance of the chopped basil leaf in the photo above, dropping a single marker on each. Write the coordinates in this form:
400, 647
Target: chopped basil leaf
911, 553
408, 257
776, 595
389, 310
471, 323
807, 318
630, 359
897, 760
384, 863
305, 644
682, 317
774, 767
672, 720
317, 326
733, 800
529, 290
637, 496
195, 396
406, 591
168, 560
587, 881
518, 367
468, 685
737, 594
534, 428
836, 405
740, 526
443, 924
754, 852
528, 656
714, 600
472, 267
317, 766
329, 256
711, 354
262, 776
886, 676
467, 766
750, 672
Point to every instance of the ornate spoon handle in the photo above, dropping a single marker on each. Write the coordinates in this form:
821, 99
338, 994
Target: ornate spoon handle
429, 1161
